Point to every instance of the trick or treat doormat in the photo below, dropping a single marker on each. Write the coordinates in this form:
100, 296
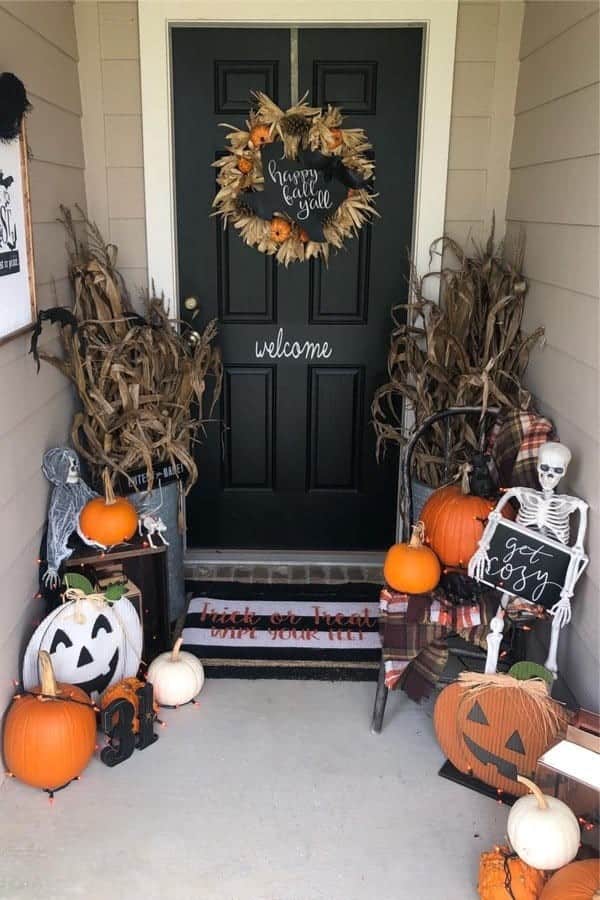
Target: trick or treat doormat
327, 632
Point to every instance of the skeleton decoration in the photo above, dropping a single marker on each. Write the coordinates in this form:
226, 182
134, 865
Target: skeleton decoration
547, 513
150, 523
69, 495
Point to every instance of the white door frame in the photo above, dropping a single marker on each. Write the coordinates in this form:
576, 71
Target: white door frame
438, 19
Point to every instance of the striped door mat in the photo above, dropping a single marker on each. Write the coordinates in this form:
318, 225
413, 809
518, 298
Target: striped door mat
327, 632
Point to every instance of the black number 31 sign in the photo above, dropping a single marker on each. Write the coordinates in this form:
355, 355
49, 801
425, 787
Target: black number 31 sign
117, 721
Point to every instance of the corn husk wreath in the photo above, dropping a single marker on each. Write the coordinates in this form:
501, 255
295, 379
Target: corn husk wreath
141, 380
299, 127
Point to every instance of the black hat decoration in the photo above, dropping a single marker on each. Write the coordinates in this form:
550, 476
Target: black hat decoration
13, 106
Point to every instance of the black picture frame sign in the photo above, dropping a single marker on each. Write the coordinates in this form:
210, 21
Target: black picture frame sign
526, 564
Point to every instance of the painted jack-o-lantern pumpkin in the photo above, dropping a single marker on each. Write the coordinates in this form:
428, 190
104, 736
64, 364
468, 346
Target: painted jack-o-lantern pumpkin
91, 643
496, 727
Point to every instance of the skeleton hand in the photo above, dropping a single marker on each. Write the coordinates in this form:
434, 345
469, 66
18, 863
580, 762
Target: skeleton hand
50, 578
479, 564
562, 612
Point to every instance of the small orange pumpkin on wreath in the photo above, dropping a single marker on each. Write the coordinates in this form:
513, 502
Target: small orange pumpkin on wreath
295, 183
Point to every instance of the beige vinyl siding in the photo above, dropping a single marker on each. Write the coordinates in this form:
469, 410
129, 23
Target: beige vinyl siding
112, 122
37, 42
554, 196
487, 43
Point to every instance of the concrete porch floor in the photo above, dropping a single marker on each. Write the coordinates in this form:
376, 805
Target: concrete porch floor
269, 790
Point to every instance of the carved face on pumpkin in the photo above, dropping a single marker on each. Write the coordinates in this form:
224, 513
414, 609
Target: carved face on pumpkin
494, 733
91, 644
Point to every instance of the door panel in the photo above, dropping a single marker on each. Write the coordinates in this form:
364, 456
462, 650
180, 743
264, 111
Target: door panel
290, 461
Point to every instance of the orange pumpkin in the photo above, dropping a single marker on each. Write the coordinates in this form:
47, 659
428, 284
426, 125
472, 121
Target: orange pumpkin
577, 881
48, 739
304, 236
412, 568
280, 229
454, 521
496, 727
260, 135
244, 165
127, 688
503, 876
336, 138
107, 522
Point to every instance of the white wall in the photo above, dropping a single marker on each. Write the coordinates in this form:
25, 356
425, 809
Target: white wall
554, 197
37, 43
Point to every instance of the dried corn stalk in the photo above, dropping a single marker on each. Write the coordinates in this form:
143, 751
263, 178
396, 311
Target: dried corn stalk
468, 350
141, 382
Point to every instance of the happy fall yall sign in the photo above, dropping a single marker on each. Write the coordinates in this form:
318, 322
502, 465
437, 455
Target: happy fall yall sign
308, 189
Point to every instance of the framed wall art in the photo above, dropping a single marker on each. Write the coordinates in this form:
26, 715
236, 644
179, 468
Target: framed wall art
17, 278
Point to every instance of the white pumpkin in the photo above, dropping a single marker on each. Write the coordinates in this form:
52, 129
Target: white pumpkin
177, 677
92, 644
542, 830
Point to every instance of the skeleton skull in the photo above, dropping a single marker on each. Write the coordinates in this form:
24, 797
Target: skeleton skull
73, 470
553, 462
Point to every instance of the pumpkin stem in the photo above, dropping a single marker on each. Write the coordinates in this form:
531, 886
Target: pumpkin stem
417, 537
109, 494
47, 680
542, 802
464, 472
176, 648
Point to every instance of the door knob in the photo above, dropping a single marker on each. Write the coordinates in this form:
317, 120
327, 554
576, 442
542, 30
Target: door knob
191, 303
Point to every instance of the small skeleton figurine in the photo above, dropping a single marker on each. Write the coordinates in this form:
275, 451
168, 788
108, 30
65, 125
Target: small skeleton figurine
550, 514
69, 495
152, 524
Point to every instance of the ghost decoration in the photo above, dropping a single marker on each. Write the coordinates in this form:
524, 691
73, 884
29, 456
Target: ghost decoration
92, 643
69, 495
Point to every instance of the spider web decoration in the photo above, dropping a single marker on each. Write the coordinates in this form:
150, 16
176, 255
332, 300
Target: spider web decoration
295, 183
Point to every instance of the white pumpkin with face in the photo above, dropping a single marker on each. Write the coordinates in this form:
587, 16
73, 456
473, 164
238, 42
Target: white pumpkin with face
92, 644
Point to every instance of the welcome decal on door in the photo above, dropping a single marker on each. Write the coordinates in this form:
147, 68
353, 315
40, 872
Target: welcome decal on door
282, 348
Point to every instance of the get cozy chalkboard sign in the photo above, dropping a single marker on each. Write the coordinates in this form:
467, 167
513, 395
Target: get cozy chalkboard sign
526, 564
295, 183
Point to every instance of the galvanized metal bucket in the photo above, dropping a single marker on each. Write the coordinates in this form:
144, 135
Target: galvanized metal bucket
164, 502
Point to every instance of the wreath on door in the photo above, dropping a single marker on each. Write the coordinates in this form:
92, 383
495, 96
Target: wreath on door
295, 183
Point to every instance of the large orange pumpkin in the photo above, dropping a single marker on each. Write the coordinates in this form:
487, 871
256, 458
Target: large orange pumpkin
49, 734
577, 881
108, 522
127, 688
454, 521
412, 568
503, 876
496, 728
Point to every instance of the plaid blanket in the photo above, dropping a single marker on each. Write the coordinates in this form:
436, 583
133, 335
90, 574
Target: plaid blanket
414, 631
513, 445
